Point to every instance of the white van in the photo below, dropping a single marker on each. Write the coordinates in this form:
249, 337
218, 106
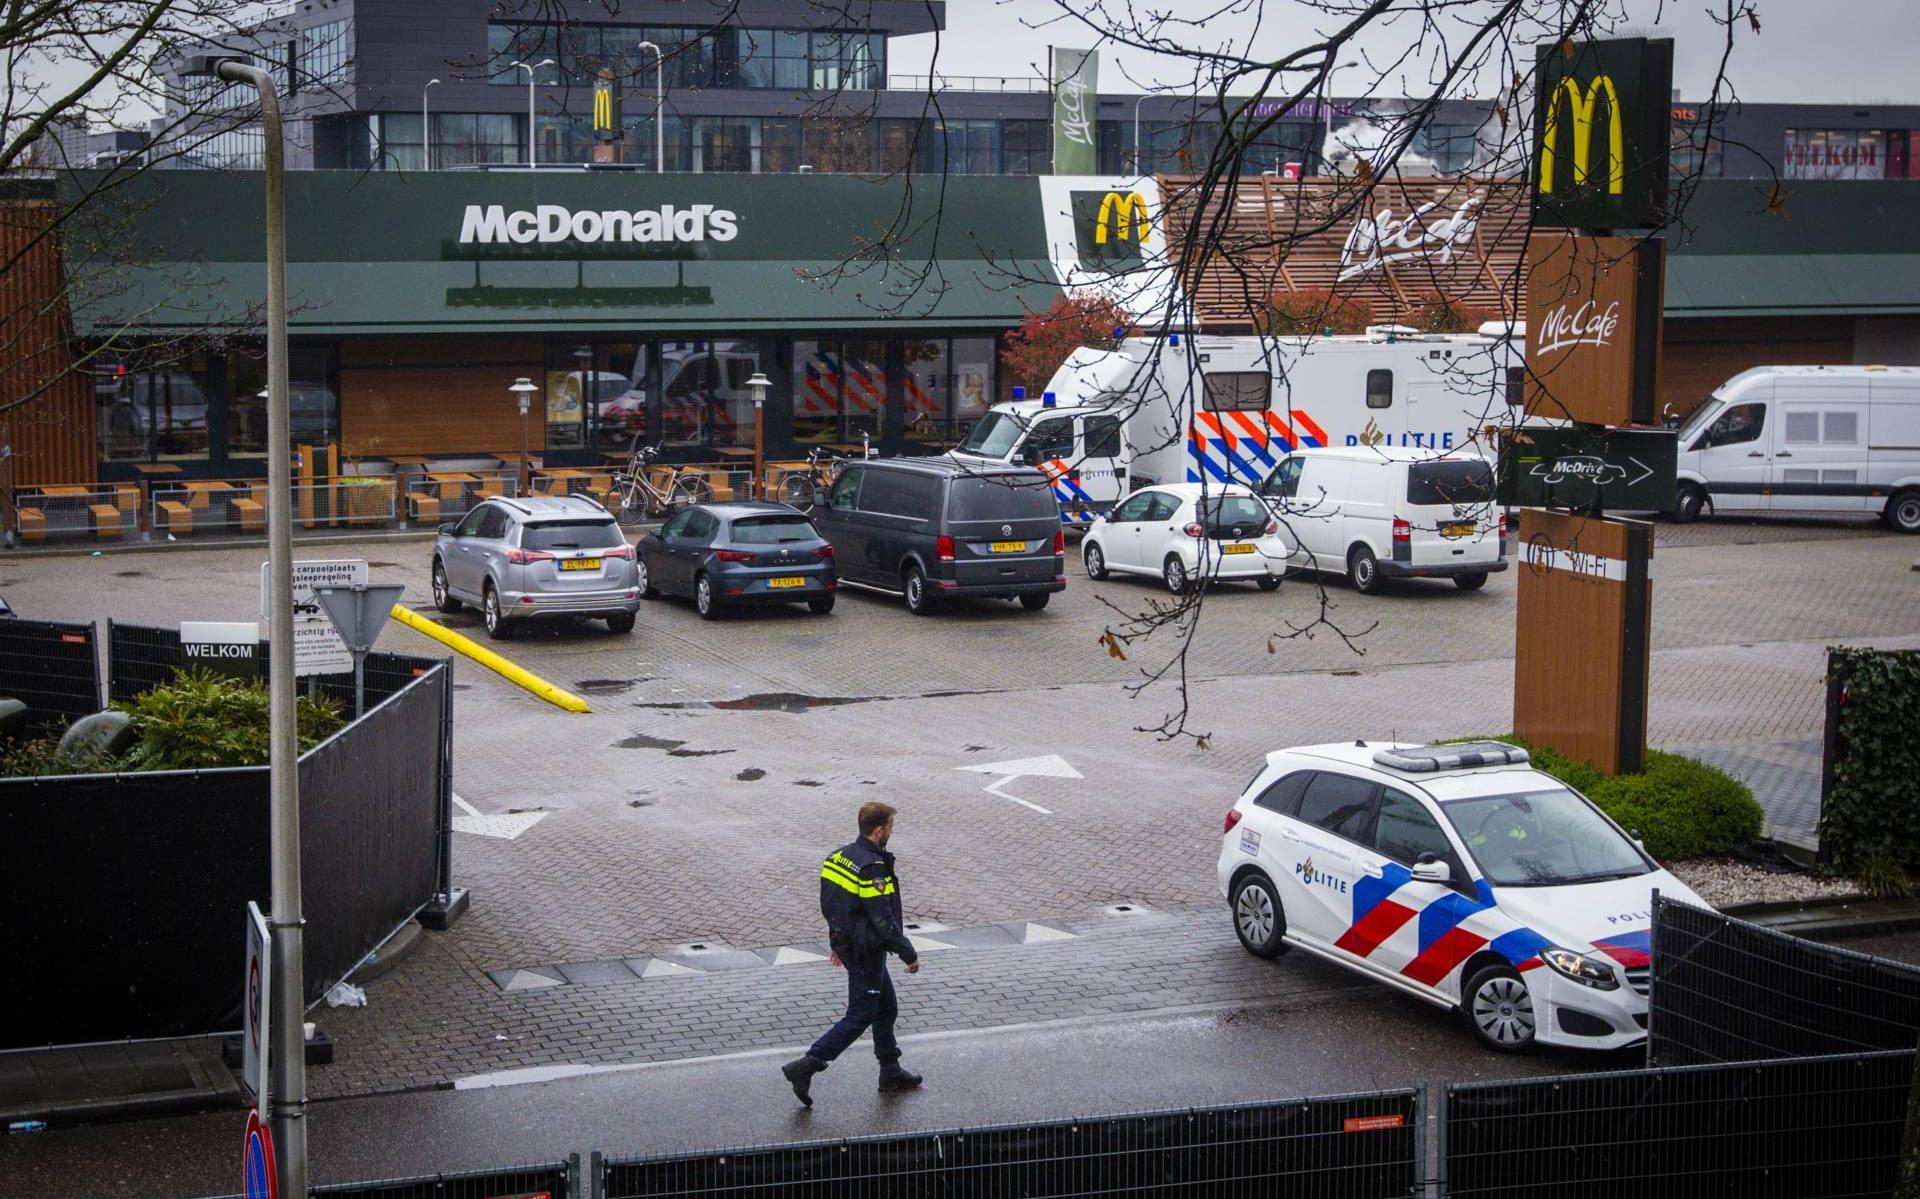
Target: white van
1384, 512
1806, 439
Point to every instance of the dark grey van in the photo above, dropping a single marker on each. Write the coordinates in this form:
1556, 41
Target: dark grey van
932, 529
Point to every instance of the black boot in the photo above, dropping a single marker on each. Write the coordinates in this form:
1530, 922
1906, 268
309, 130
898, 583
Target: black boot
893, 1078
800, 1072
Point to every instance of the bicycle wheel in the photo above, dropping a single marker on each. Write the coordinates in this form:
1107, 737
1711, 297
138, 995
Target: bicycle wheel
688, 489
797, 490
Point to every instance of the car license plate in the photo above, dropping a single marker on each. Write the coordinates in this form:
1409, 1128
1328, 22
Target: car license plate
786, 582
1009, 547
1237, 547
580, 564
1459, 528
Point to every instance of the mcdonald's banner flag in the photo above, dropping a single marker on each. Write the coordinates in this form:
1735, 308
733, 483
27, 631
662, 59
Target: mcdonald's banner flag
606, 109
1602, 128
1076, 97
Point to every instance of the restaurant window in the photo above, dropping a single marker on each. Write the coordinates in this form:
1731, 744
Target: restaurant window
1029, 147
973, 380
686, 388
573, 384
619, 412
313, 401
780, 145
929, 393
157, 411
839, 391
838, 145
569, 139
726, 145
906, 146
816, 392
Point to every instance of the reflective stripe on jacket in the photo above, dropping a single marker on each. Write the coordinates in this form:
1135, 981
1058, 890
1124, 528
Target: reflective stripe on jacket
860, 897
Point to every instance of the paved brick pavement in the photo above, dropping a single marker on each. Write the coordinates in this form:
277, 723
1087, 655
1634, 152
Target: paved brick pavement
679, 814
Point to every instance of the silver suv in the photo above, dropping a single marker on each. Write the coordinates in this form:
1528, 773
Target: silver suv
542, 556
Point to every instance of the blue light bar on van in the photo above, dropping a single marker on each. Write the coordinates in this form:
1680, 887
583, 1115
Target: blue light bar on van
1048, 400
1173, 339
1426, 759
1019, 392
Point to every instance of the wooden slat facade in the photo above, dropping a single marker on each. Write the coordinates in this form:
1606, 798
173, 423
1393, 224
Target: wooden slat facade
52, 435
438, 395
1282, 235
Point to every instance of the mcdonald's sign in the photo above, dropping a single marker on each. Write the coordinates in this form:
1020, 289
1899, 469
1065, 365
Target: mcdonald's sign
1602, 132
606, 109
1110, 228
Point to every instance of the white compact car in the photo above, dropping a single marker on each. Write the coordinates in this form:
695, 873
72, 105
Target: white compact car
1183, 535
1455, 872
1391, 512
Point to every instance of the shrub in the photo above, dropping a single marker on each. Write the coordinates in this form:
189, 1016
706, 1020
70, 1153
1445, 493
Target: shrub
1039, 347
1312, 311
42, 757
202, 720
1681, 808
1438, 314
1870, 820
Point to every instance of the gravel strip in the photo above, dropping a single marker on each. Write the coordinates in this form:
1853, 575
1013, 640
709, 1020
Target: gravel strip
1724, 882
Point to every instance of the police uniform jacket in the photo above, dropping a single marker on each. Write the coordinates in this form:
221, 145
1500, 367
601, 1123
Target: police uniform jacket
860, 897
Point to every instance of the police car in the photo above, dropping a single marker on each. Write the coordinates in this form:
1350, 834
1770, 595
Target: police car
1455, 872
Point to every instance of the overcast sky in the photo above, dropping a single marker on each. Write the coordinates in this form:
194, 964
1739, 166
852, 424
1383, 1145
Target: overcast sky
1816, 51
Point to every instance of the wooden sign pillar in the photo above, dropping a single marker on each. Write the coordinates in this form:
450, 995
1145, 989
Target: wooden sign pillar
1584, 624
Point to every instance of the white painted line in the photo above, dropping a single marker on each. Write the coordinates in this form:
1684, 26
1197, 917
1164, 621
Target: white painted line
993, 788
1051, 766
505, 827
466, 807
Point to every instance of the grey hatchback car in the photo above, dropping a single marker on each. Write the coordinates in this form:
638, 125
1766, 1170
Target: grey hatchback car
738, 555
537, 557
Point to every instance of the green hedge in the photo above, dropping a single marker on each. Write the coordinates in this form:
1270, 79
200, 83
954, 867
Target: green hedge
1872, 811
1681, 808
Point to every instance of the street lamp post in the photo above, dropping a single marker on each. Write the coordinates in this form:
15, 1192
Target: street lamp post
531, 158
287, 1059
758, 386
1326, 85
1136, 134
426, 129
524, 389
659, 107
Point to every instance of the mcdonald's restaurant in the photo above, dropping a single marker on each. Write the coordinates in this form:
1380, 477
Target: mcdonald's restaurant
624, 305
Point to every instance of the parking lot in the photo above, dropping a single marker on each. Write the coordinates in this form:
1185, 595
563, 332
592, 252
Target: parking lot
721, 760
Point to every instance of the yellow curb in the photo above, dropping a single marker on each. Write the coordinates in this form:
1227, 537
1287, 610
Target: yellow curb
557, 696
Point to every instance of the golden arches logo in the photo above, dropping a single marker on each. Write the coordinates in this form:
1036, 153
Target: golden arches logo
602, 107
1116, 215
1580, 105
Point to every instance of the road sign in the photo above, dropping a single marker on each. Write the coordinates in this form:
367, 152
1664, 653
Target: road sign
1626, 470
223, 647
358, 614
256, 1011
317, 648
257, 1177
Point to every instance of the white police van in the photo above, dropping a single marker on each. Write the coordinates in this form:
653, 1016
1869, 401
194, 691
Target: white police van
1457, 873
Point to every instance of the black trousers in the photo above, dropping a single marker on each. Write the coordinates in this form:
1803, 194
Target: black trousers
870, 1004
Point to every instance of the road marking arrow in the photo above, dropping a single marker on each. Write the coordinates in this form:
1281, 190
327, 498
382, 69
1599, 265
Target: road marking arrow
1050, 766
505, 827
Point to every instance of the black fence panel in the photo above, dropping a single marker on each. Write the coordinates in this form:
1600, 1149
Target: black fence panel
561, 1180
1807, 1128
52, 668
1725, 990
140, 658
370, 835
1344, 1147
125, 900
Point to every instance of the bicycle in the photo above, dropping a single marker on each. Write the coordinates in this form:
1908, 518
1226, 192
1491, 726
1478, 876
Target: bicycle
823, 467
640, 496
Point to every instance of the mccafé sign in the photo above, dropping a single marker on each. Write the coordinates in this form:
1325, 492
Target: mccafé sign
493, 224
1601, 128
1593, 328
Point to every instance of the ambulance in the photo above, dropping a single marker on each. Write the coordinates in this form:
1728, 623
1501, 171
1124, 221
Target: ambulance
1194, 408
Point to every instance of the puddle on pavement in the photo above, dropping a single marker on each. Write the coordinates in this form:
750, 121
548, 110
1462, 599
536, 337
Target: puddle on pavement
609, 686
795, 703
383, 566
129, 574
808, 783
640, 803
697, 753
751, 774
642, 741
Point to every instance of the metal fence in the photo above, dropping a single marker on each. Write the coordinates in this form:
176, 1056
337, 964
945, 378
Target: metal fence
1806, 1128
1345, 1147
83, 511
1728, 991
53, 668
561, 1180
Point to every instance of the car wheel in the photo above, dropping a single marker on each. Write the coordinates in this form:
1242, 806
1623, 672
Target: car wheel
620, 622
1268, 583
442, 595
497, 626
1257, 917
820, 605
1471, 582
1035, 601
1363, 570
920, 599
704, 600
1174, 572
1499, 1008
1903, 512
643, 579
1687, 503
1096, 562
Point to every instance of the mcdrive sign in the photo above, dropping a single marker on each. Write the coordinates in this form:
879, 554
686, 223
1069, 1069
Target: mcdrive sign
1601, 126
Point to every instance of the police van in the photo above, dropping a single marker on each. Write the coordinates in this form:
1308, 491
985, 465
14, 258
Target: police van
1457, 873
1227, 409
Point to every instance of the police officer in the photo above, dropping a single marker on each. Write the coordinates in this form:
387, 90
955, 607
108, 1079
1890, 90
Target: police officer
860, 897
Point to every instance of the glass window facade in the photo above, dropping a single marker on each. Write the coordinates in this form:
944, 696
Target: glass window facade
693, 56
324, 51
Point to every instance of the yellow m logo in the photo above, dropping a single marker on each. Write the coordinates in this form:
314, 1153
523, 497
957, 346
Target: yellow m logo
1116, 214
602, 108
1581, 104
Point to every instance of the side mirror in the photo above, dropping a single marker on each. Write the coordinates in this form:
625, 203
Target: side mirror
446, 530
822, 498
1634, 835
1430, 869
